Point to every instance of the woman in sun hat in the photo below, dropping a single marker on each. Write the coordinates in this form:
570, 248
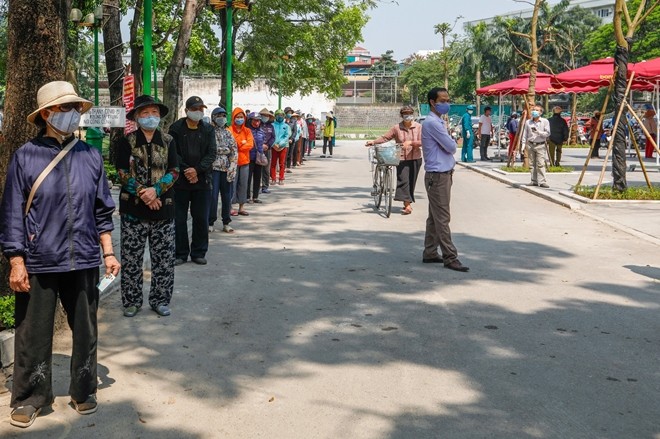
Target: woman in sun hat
148, 166
55, 236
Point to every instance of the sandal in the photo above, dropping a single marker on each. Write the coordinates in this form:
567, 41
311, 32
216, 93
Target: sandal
243, 212
407, 210
24, 416
88, 406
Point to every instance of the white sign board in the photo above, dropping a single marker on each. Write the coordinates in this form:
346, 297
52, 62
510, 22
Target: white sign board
104, 117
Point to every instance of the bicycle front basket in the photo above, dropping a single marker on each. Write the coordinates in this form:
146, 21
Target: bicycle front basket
388, 154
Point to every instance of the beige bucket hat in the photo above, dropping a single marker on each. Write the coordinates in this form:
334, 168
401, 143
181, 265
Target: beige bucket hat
57, 93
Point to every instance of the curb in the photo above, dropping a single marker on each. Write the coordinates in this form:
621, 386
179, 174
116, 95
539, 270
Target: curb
538, 192
577, 207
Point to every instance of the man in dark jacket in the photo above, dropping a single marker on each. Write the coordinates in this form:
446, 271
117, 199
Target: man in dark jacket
196, 148
267, 118
558, 135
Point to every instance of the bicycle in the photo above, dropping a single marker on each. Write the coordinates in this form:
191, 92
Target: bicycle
384, 158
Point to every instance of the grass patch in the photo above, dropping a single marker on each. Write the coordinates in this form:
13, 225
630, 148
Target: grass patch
632, 193
514, 169
551, 169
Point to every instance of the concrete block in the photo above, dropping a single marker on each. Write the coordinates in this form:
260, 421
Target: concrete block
6, 347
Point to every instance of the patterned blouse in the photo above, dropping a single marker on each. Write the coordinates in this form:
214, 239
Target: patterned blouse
227, 156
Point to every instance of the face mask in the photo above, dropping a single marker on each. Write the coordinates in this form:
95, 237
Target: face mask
264, 119
408, 117
149, 123
470, 111
220, 121
536, 114
279, 119
288, 115
64, 122
442, 107
239, 122
195, 116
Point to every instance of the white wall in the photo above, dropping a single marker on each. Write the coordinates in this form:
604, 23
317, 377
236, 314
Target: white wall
253, 98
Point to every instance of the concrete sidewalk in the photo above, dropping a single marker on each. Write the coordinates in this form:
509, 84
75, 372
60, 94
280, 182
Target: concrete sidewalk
643, 223
317, 319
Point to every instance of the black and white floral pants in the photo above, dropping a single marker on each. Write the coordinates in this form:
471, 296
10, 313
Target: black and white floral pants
134, 236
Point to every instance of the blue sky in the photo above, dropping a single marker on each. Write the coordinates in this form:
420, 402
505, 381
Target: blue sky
406, 26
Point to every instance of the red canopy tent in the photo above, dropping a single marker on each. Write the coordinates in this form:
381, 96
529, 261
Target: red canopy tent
520, 86
648, 70
597, 74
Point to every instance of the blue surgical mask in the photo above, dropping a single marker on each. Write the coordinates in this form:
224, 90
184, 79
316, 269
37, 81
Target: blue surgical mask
288, 115
536, 113
195, 116
264, 119
220, 121
442, 107
239, 122
279, 119
149, 123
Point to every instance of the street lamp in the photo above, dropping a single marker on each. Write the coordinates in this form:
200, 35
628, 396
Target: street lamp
93, 20
228, 6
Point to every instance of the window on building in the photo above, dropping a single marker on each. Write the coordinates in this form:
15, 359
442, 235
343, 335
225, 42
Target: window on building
604, 13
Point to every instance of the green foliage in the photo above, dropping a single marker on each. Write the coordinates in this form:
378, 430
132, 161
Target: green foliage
609, 193
310, 40
560, 169
514, 169
7, 305
111, 172
420, 77
601, 42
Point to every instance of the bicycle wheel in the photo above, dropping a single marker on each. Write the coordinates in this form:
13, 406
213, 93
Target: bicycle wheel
389, 183
378, 186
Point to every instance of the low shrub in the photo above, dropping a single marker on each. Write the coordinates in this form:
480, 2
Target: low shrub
608, 193
7, 305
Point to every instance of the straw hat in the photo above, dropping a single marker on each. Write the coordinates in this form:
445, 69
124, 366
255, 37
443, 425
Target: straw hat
57, 93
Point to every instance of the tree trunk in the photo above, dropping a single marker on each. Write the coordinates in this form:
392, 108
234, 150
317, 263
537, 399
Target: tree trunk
619, 182
574, 127
136, 49
223, 59
173, 71
534, 58
36, 40
112, 43
478, 79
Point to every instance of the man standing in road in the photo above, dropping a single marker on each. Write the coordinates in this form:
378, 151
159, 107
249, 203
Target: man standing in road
438, 148
485, 131
534, 136
196, 147
558, 135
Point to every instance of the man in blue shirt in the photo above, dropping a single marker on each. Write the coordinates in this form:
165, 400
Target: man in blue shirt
438, 148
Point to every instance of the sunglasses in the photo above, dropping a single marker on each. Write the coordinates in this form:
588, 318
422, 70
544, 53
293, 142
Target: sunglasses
65, 108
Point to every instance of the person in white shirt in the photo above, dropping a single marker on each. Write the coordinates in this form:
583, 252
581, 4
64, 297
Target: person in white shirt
485, 131
534, 136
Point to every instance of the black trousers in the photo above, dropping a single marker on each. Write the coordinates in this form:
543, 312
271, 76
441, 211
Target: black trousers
35, 315
483, 146
406, 179
327, 142
254, 180
198, 203
265, 173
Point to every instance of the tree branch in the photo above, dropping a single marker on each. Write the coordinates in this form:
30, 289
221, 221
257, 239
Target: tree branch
519, 34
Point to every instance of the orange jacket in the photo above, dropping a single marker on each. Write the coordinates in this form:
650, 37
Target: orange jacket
243, 137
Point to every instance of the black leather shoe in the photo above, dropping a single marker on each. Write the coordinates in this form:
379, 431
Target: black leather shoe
437, 259
200, 261
179, 261
457, 266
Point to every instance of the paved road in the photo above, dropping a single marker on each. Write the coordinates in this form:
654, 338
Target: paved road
318, 320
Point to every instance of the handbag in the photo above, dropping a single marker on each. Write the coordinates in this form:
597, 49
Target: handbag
261, 159
40, 179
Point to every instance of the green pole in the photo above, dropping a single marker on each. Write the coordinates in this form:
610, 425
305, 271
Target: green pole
146, 59
155, 78
96, 62
279, 84
229, 54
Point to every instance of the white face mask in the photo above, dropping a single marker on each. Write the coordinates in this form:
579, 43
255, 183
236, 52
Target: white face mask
408, 117
195, 116
65, 123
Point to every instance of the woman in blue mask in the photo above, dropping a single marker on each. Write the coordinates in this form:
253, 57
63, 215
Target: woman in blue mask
147, 164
